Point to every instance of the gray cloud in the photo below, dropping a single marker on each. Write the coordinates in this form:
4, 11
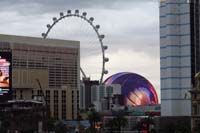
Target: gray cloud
46, 6
129, 25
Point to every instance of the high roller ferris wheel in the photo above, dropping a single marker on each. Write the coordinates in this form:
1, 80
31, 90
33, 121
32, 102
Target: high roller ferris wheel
96, 28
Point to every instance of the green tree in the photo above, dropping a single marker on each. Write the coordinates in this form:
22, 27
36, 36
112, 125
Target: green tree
4, 122
170, 127
139, 126
144, 124
119, 121
50, 124
4, 126
182, 127
60, 127
110, 124
148, 121
93, 118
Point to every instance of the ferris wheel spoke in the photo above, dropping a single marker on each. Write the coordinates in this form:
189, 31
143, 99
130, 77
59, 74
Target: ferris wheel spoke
90, 21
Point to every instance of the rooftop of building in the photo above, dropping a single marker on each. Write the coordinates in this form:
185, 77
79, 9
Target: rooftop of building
39, 41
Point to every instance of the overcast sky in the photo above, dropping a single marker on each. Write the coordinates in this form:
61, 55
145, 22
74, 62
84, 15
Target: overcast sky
131, 29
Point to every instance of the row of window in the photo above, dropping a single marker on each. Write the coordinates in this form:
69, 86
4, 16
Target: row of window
55, 105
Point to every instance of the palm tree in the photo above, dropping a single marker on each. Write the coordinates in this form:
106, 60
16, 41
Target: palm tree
139, 126
60, 127
183, 127
144, 124
93, 118
150, 121
4, 122
120, 121
111, 125
50, 124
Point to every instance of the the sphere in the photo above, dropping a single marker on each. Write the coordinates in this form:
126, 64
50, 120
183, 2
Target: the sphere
136, 90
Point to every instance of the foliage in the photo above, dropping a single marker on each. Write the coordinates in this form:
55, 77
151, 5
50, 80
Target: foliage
4, 126
144, 124
139, 126
60, 127
93, 117
50, 124
118, 121
4, 123
111, 125
183, 127
179, 127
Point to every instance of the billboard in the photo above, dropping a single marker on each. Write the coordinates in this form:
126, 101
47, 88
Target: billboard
5, 75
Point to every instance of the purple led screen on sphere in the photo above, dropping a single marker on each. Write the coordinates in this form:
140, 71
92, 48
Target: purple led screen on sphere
136, 90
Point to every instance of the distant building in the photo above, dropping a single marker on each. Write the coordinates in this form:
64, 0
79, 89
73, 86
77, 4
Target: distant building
85, 92
145, 108
102, 96
179, 54
23, 116
101, 91
53, 63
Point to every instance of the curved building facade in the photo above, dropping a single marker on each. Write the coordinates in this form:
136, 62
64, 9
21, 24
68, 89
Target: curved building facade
136, 90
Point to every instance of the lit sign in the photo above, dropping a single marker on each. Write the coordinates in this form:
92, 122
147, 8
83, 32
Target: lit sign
5, 75
152, 113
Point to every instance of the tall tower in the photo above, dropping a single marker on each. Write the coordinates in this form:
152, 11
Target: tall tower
179, 54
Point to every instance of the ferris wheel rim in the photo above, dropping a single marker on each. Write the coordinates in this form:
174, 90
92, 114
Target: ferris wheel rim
95, 28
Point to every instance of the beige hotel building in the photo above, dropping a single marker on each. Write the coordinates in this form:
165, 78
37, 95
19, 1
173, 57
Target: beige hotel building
52, 63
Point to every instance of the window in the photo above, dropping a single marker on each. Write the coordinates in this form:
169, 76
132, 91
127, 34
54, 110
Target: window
21, 94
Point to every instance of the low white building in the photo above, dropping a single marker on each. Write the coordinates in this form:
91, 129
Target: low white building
101, 95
